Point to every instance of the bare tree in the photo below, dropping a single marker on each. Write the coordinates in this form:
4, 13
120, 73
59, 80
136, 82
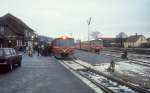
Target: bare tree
121, 38
122, 35
95, 34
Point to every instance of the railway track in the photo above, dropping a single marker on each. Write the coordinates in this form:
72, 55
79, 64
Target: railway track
105, 82
133, 59
132, 54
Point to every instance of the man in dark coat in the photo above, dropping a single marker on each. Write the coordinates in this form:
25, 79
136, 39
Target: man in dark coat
39, 50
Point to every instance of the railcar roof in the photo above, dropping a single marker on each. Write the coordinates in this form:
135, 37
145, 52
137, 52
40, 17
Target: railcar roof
62, 38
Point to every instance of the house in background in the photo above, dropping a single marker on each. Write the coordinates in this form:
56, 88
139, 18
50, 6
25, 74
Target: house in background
148, 41
14, 33
135, 41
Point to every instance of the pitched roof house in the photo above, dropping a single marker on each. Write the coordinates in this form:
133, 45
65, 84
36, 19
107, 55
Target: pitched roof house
14, 32
135, 41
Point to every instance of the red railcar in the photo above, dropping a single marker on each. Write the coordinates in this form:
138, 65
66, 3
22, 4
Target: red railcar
92, 45
63, 47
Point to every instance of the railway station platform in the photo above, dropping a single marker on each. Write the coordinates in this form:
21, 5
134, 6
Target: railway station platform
40, 74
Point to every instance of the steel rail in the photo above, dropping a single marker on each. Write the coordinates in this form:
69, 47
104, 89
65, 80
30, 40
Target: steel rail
136, 88
144, 63
104, 88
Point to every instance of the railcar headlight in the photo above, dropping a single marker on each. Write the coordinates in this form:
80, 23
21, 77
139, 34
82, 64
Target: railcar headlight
64, 50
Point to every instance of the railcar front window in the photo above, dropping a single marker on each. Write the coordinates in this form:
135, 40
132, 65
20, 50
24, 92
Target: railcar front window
64, 42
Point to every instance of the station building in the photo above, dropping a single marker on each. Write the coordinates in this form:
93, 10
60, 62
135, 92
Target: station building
15, 33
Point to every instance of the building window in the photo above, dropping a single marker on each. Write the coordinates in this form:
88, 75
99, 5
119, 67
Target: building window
2, 29
141, 39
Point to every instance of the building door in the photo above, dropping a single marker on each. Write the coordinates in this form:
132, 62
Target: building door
9, 43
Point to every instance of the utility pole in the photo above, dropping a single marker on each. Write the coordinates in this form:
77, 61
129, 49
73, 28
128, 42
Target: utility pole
89, 22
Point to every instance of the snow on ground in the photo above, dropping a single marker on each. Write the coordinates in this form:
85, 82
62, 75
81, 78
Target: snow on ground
83, 63
147, 61
138, 57
74, 65
131, 72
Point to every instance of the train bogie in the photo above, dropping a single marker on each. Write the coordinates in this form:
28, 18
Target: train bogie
63, 52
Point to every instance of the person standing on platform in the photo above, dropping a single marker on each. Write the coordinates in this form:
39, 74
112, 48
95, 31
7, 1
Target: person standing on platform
39, 50
111, 66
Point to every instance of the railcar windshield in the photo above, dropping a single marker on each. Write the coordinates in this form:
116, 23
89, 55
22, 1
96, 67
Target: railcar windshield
64, 42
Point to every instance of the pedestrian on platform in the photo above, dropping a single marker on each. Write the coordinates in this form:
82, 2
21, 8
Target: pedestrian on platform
30, 51
124, 55
42, 50
38, 50
50, 50
111, 66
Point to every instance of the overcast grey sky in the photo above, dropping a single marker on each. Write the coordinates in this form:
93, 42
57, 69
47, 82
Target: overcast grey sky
56, 17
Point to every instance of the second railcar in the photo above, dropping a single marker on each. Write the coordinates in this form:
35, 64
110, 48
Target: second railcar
92, 45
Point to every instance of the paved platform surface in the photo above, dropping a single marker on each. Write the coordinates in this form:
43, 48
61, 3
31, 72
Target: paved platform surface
41, 75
